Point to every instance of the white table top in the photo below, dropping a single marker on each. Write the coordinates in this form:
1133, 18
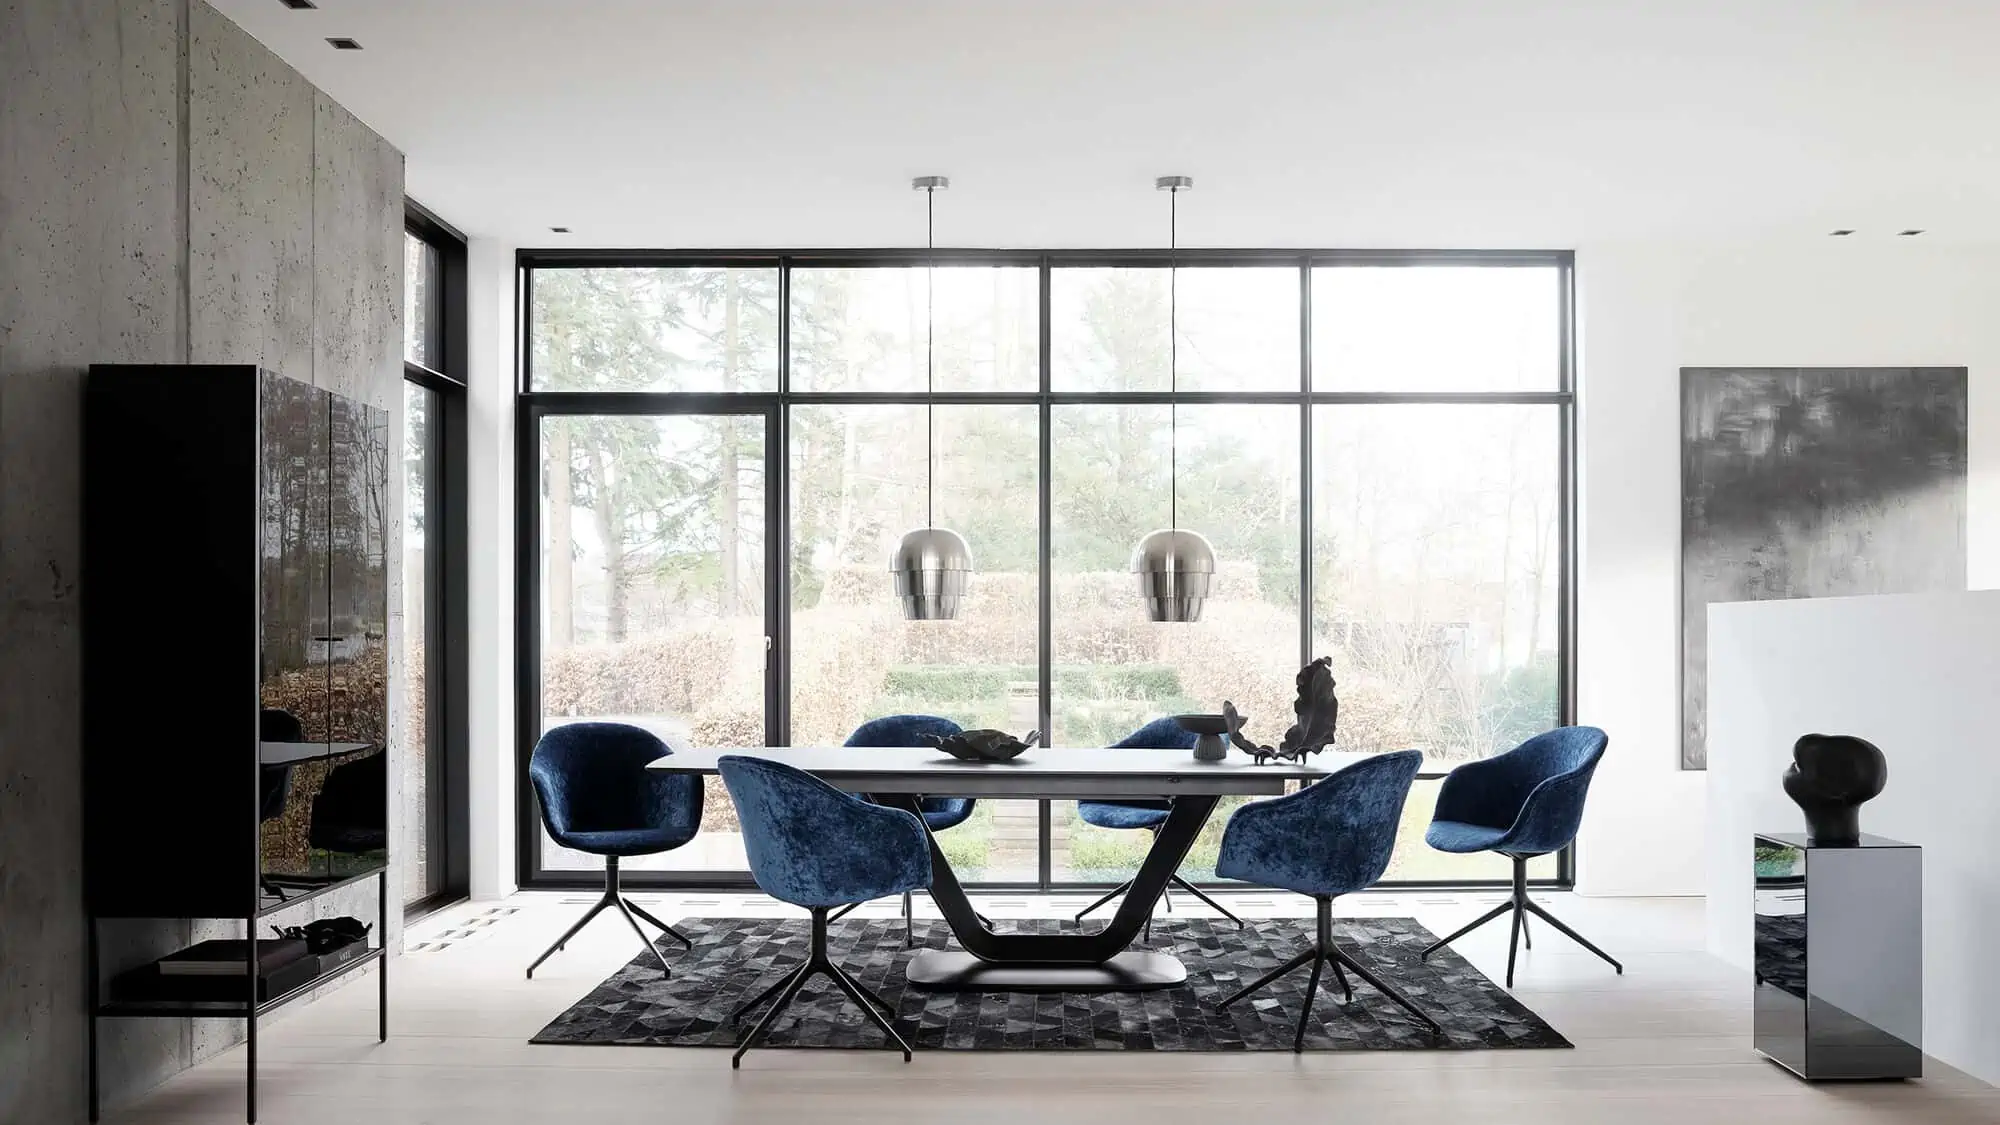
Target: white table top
1040, 773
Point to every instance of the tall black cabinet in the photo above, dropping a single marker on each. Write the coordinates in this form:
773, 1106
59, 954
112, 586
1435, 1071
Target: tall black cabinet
235, 578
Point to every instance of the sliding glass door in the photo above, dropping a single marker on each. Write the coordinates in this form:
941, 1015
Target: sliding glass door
654, 593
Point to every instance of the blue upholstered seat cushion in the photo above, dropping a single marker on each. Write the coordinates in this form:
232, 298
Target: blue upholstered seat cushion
909, 730
597, 795
1160, 734
1123, 814
1333, 837
1462, 838
1528, 801
812, 845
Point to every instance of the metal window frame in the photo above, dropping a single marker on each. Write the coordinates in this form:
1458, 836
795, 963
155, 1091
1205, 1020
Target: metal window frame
447, 793
534, 405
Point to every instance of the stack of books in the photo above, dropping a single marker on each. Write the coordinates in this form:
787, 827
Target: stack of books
219, 971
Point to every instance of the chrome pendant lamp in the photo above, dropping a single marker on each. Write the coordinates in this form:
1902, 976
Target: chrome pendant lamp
933, 565
1175, 566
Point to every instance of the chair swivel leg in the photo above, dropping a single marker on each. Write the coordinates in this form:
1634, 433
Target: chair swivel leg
1324, 952
659, 925
613, 897
818, 963
593, 912
1520, 906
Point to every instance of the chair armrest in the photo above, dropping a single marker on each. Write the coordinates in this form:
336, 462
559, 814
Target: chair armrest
1551, 814
1479, 792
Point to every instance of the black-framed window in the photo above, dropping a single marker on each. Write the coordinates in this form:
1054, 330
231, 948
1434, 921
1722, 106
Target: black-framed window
717, 450
435, 842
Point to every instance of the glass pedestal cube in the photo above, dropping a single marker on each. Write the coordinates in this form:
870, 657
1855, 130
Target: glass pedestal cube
1839, 957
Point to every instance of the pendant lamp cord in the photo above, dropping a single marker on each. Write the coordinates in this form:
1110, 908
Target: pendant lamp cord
1173, 358
930, 352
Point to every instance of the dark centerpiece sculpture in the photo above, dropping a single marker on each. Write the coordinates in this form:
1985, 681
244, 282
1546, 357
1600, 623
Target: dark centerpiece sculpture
984, 745
1317, 708
1210, 731
1831, 777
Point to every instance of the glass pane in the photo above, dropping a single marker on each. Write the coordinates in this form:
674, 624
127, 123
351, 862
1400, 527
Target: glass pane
654, 329
857, 485
866, 329
1436, 559
1238, 329
419, 754
420, 300
1437, 328
1113, 669
653, 593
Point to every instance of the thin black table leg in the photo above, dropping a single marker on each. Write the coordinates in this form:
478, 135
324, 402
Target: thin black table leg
382, 981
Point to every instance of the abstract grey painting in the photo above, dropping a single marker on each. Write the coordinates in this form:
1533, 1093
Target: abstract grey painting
1813, 482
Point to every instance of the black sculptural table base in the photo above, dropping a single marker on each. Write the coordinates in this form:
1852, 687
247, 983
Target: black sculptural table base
1135, 970
1081, 962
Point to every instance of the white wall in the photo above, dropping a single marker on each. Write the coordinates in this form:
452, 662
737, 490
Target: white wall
1644, 312
1915, 675
490, 565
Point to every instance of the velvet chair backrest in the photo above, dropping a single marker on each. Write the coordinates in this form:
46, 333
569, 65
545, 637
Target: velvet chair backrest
1554, 769
902, 730
812, 845
592, 777
1536, 790
1160, 734
1333, 837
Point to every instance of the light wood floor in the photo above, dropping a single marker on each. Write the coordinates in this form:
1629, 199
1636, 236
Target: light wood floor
1668, 1042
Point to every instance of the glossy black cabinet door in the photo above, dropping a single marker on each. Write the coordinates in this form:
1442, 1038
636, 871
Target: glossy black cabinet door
294, 473
350, 815
235, 526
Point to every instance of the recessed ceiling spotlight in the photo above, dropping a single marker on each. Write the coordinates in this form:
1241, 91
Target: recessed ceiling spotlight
1839, 233
343, 43
298, 5
558, 230
1911, 233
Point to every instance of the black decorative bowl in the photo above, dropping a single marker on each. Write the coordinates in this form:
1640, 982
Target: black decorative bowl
985, 745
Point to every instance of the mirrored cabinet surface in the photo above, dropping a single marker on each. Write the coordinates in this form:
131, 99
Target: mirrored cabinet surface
1838, 957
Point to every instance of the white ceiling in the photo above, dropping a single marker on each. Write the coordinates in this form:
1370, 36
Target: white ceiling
1516, 123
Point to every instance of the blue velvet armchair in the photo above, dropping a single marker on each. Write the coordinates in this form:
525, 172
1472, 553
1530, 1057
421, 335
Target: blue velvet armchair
940, 813
814, 846
1331, 838
597, 796
1525, 803
1146, 814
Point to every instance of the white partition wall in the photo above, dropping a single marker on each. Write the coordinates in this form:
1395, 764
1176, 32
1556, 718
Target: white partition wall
1919, 676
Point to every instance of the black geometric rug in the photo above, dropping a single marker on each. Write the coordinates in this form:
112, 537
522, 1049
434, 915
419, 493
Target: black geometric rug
734, 958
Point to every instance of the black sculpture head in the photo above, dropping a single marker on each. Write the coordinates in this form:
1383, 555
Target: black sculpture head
1831, 777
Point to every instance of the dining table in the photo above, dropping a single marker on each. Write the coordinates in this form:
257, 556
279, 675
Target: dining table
998, 960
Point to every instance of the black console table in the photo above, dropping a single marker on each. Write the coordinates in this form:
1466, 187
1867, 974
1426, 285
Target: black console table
1839, 957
